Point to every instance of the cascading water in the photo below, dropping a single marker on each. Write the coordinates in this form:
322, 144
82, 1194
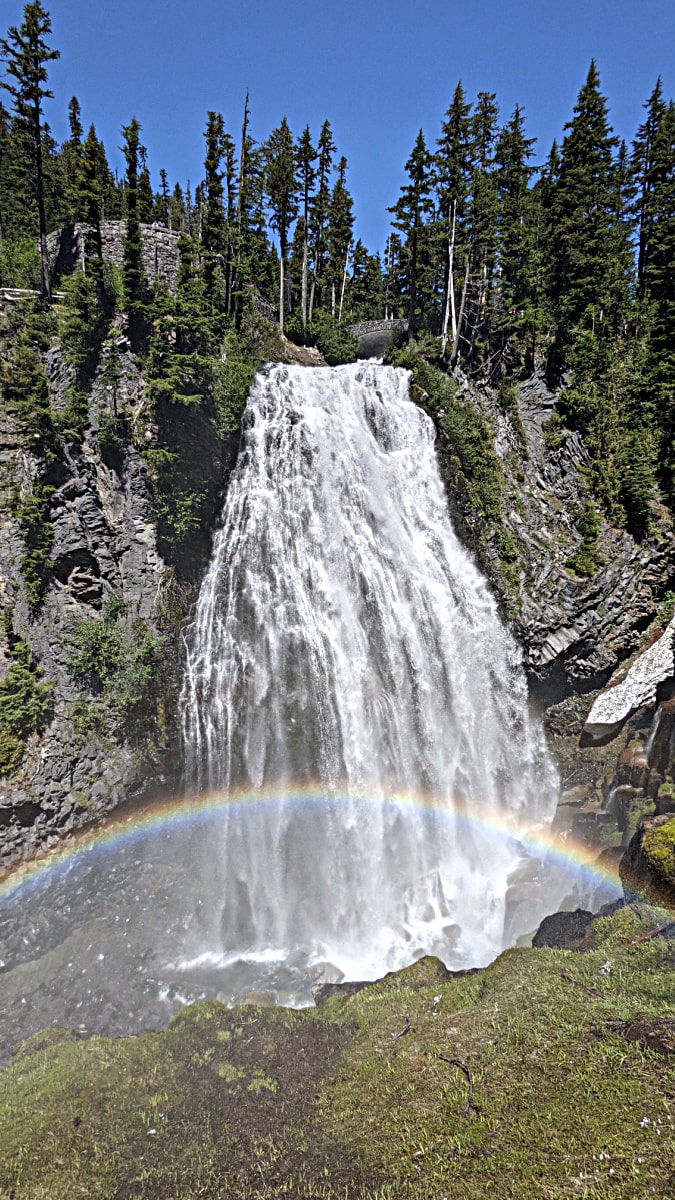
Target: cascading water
348, 664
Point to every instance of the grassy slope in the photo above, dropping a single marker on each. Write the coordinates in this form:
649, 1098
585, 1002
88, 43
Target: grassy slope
572, 1057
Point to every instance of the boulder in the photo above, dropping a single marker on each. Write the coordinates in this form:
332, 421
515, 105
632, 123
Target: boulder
647, 869
564, 930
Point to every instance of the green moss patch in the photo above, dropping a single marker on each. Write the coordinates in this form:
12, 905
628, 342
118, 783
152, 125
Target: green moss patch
570, 1056
658, 846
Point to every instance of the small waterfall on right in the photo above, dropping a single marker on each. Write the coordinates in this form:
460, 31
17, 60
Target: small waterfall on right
353, 697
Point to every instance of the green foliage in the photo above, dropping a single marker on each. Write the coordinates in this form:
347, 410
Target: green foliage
82, 325
465, 433
26, 394
19, 264
586, 558
25, 700
666, 610
117, 664
334, 340
507, 396
32, 513
233, 380
553, 429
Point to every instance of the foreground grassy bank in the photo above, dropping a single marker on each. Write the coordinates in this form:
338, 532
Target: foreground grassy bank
571, 1057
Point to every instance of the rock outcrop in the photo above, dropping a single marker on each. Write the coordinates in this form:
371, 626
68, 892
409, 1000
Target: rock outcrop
647, 869
104, 542
574, 629
638, 687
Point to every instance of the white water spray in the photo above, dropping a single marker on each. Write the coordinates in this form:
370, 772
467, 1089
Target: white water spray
344, 639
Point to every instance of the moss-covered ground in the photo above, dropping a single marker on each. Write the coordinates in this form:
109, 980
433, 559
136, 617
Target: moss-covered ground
571, 1055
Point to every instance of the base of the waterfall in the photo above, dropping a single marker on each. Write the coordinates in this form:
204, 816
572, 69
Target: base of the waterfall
118, 943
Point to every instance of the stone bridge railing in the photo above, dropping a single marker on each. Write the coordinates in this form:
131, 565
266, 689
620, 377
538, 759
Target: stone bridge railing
363, 327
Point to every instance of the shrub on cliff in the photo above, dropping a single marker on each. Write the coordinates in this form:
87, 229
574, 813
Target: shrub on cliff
25, 699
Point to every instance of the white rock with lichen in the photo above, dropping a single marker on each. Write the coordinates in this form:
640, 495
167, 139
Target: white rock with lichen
639, 687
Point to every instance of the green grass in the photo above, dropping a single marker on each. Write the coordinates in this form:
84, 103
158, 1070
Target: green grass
571, 1056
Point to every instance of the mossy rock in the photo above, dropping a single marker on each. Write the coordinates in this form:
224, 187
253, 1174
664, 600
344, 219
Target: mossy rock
648, 867
658, 846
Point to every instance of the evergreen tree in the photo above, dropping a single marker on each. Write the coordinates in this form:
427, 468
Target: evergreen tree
366, 285
645, 171
339, 238
71, 157
282, 192
453, 165
318, 216
412, 212
145, 202
26, 55
515, 233
483, 215
211, 203
161, 209
306, 156
135, 284
177, 216
588, 246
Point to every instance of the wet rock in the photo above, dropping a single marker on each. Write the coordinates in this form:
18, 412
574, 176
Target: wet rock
564, 930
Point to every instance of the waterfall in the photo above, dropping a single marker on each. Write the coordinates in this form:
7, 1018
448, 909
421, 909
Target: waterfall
350, 687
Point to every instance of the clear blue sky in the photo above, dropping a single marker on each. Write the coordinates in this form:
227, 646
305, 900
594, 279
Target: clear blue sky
378, 71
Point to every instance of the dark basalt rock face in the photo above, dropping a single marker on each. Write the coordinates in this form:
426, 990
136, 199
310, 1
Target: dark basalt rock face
104, 541
574, 630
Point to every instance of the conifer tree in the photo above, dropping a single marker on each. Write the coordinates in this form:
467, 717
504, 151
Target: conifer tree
339, 238
146, 202
135, 285
26, 55
71, 157
645, 169
515, 233
176, 219
588, 245
161, 210
412, 212
483, 211
306, 155
318, 217
453, 165
366, 285
281, 185
211, 197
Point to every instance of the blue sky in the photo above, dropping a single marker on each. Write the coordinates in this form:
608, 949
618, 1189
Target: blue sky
378, 71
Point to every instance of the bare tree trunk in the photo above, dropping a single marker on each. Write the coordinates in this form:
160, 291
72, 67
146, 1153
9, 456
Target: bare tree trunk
303, 300
344, 284
281, 291
450, 288
455, 344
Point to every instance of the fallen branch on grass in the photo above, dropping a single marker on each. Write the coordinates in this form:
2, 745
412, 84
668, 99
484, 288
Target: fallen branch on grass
456, 1062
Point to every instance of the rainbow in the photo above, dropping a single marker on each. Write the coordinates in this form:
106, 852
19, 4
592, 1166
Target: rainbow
129, 825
